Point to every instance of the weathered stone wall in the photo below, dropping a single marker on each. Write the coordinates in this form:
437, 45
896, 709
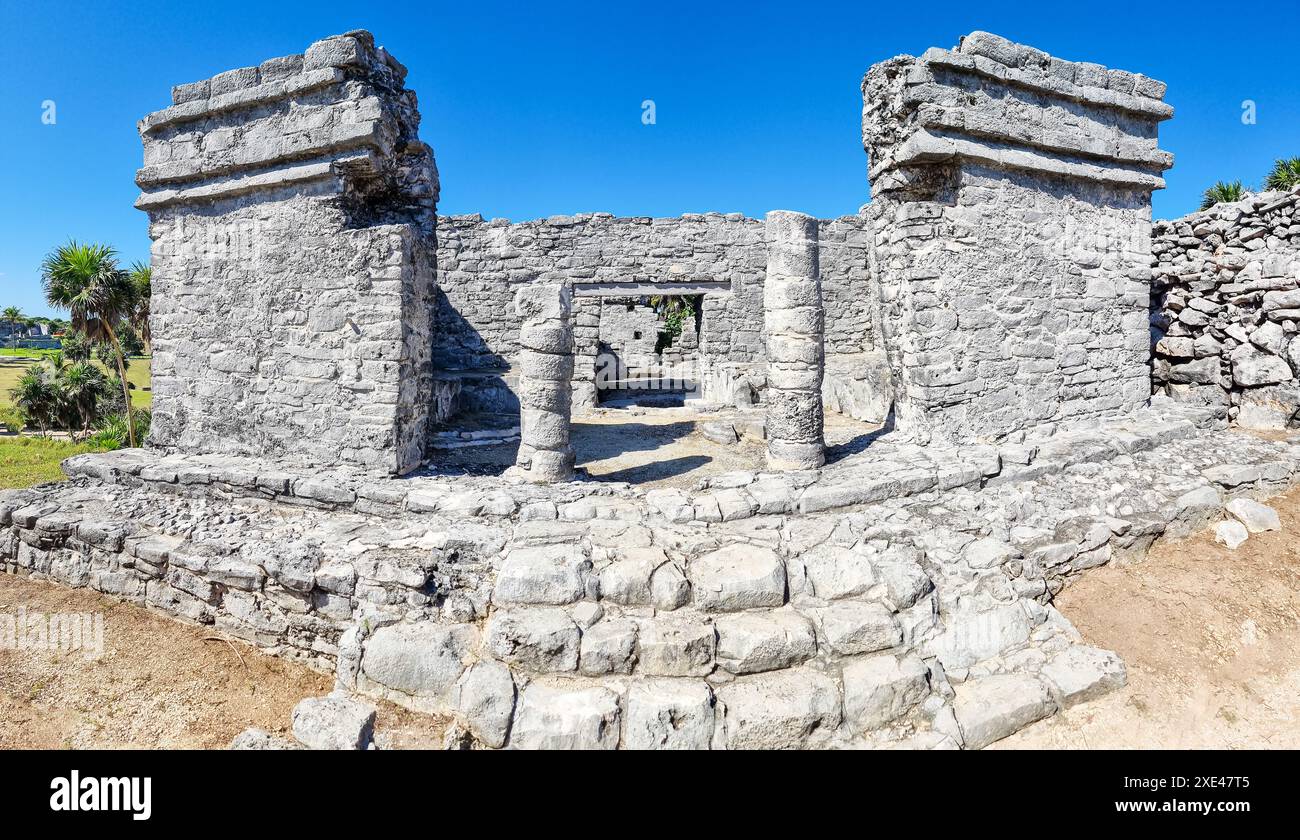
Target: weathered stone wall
843, 256
291, 209
1225, 302
482, 262
1011, 204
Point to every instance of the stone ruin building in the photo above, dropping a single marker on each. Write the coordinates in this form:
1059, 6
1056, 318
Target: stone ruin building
1047, 382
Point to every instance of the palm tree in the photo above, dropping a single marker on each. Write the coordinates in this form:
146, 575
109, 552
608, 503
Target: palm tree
142, 283
85, 280
81, 385
36, 398
1285, 175
1221, 192
12, 315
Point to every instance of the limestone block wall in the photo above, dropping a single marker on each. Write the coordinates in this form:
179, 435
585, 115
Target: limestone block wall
1011, 209
292, 211
1225, 305
843, 256
482, 262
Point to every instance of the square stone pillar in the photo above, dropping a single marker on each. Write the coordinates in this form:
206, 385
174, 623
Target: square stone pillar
793, 322
1011, 202
292, 208
545, 381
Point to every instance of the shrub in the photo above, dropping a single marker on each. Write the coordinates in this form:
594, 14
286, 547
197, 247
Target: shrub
1285, 175
112, 432
12, 419
1223, 191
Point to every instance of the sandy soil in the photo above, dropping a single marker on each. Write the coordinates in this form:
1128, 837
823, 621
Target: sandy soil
158, 683
1211, 638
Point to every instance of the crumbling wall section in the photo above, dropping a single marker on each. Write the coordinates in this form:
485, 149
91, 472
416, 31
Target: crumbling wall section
292, 211
1011, 205
1225, 309
484, 262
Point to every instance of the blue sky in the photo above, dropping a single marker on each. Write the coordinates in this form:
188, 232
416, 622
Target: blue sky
534, 109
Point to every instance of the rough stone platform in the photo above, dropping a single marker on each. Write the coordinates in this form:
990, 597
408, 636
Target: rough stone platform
599, 616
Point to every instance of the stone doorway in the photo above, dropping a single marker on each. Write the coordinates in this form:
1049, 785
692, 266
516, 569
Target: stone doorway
648, 350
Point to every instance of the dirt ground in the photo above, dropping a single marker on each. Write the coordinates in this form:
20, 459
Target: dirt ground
158, 684
657, 447
1211, 639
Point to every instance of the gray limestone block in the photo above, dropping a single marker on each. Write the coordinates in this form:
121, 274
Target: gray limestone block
337, 51
854, 627
1081, 673
669, 714
794, 416
609, 646
990, 708
548, 574
567, 717
764, 641
485, 697
551, 466
669, 588
191, 92
336, 722
737, 577
1269, 408
421, 660
834, 571
880, 689
543, 302
787, 455
547, 338
260, 739
1256, 516
545, 640
233, 80
789, 709
545, 366
542, 429
626, 581
552, 396
678, 644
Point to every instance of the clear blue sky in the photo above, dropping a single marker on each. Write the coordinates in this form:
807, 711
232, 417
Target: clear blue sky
534, 108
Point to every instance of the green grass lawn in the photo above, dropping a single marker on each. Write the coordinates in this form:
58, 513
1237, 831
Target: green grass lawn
25, 461
11, 369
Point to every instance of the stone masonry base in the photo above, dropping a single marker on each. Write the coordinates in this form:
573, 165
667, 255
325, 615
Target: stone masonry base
580, 616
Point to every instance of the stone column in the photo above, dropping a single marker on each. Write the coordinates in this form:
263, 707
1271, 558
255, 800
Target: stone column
793, 320
545, 374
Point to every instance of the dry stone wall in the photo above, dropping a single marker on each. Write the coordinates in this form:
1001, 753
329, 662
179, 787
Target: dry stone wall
1225, 302
482, 262
589, 616
1011, 204
292, 212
